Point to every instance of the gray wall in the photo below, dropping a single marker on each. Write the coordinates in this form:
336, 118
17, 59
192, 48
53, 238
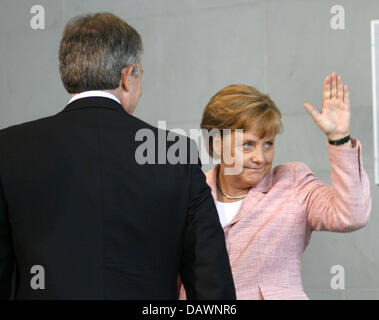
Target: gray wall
195, 47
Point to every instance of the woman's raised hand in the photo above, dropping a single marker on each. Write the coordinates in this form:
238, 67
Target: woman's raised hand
334, 119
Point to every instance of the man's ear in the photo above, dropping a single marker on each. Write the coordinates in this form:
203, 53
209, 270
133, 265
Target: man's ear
126, 75
217, 145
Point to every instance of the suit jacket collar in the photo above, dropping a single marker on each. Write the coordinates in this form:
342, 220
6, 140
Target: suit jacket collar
94, 102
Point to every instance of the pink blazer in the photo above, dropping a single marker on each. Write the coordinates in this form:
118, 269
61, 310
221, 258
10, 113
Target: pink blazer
267, 237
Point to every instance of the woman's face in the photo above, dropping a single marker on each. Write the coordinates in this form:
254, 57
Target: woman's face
252, 154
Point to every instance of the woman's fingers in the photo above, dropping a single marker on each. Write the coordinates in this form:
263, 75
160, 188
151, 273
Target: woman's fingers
334, 86
339, 88
346, 97
313, 112
326, 90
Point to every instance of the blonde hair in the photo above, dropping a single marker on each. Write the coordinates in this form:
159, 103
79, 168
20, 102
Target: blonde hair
241, 107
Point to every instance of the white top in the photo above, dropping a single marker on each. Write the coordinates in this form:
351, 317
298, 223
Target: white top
227, 211
94, 93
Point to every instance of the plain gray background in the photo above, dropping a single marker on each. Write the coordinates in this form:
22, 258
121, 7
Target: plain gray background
194, 48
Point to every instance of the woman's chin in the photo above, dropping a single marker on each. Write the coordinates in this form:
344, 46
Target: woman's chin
253, 178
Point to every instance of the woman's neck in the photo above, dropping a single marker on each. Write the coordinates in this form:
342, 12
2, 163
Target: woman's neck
230, 186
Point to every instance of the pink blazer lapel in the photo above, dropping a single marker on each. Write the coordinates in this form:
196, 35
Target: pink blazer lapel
253, 197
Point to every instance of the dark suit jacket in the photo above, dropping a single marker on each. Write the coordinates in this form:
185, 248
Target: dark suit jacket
74, 200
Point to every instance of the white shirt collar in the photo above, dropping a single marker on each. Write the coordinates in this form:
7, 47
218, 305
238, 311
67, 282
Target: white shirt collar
94, 93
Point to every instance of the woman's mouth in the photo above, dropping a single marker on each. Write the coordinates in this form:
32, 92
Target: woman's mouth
256, 169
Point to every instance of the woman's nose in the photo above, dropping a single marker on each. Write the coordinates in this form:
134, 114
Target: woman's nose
257, 155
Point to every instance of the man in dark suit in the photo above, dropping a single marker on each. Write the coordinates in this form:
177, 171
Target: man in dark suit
80, 216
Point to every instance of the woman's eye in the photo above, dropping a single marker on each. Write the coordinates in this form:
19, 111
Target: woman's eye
247, 145
268, 144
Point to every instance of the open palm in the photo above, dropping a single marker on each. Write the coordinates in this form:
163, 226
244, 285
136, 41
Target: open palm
334, 119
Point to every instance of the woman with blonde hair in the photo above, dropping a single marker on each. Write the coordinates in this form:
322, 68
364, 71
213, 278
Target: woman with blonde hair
268, 213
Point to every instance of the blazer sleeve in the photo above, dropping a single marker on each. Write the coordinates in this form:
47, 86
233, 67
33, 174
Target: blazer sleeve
346, 205
205, 270
7, 259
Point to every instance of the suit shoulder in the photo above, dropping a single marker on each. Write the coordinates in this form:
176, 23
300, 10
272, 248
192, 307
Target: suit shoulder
25, 128
292, 170
291, 166
171, 135
26, 125
140, 123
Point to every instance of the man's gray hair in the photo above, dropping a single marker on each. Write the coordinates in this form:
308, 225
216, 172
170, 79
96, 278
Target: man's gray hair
94, 50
